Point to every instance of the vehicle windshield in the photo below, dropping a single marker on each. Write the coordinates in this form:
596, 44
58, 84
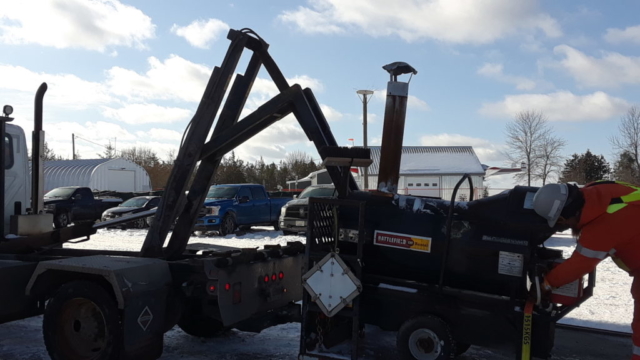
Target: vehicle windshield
60, 193
318, 192
134, 202
216, 192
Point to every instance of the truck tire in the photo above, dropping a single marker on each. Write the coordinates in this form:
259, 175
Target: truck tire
425, 338
228, 225
61, 220
276, 225
82, 321
200, 325
139, 224
461, 348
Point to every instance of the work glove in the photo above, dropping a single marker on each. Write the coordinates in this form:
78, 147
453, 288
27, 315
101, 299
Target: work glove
540, 290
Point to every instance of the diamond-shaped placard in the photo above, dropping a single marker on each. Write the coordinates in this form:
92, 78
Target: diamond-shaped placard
331, 284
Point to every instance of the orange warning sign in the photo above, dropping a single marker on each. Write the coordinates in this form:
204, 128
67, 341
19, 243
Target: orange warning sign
402, 241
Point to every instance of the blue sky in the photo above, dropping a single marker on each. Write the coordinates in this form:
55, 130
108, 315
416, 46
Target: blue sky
133, 72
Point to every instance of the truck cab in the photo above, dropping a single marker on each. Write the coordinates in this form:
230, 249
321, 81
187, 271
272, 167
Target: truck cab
17, 187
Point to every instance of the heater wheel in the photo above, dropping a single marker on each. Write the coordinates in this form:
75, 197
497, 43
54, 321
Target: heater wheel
425, 337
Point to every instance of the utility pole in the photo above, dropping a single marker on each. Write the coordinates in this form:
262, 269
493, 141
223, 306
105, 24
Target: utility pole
364, 99
73, 146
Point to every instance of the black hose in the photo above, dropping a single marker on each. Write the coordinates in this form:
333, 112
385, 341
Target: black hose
447, 238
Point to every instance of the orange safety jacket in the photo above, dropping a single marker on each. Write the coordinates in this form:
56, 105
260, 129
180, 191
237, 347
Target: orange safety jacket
607, 228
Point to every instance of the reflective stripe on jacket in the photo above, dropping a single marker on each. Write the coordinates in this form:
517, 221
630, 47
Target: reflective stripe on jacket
607, 228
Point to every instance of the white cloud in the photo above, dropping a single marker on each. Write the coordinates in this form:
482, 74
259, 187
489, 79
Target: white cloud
559, 106
330, 113
175, 78
93, 24
487, 151
612, 70
272, 143
201, 33
455, 21
64, 90
495, 71
160, 134
136, 114
629, 35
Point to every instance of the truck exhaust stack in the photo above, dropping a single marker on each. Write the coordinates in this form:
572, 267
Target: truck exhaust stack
393, 130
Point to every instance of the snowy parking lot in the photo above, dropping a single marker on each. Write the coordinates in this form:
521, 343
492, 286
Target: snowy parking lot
610, 308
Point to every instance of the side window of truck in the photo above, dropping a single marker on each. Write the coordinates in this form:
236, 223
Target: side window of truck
8, 151
244, 192
85, 194
257, 193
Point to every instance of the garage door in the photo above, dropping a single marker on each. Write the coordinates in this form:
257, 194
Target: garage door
121, 180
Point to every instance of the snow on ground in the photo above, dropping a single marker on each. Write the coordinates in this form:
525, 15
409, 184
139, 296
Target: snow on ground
611, 308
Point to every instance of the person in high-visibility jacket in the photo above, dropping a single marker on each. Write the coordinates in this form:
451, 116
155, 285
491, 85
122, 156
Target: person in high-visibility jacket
604, 216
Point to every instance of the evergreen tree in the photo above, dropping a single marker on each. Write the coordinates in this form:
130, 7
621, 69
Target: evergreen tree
585, 168
626, 168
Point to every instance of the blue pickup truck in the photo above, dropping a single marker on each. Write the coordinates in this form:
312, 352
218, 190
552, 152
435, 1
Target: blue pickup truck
228, 207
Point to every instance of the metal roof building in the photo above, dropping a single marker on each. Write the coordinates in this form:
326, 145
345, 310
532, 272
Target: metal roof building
424, 171
433, 170
98, 174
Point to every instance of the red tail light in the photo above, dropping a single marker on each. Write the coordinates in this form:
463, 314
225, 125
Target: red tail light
227, 286
266, 278
212, 288
274, 277
281, 275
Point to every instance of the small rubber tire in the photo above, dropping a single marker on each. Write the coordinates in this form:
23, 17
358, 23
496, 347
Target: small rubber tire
200, 325
61, 220
228, 225
425, 337
75, 307
461, 348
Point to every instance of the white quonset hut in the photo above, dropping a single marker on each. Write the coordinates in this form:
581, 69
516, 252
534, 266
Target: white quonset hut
98, 174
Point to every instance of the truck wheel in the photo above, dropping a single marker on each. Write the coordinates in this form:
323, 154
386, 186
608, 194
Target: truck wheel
61, 220
276, 225
81, 321
140, 224
200, 325
228, 225
425, 338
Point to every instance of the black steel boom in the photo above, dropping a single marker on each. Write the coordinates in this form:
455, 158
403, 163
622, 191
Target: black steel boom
228, 134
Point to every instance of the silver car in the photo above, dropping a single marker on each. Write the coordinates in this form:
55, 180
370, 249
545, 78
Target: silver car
293, 215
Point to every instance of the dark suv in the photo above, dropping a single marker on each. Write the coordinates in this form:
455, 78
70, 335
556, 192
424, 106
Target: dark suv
293, 216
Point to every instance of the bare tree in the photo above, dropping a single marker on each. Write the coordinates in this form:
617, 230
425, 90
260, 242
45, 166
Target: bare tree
525, 136
627, 142
300, 164
549, 157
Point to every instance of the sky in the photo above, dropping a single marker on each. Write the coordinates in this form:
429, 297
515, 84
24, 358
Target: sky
133, 72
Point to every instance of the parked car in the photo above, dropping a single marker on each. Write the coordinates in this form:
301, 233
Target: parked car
74, 204
230, 206
293, 216
130, 207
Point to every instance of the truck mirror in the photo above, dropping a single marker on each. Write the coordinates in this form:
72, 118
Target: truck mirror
295, 196
244, 199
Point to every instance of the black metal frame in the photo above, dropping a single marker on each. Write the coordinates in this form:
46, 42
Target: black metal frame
323, 231
227, 135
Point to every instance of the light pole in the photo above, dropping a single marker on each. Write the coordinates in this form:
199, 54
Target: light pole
364, 99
